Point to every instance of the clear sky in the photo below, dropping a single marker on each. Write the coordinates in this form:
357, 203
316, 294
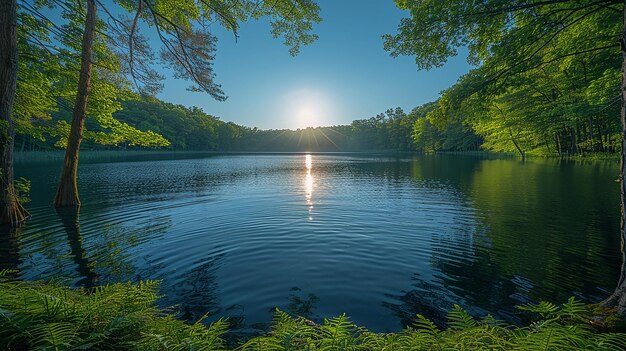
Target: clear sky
345, 75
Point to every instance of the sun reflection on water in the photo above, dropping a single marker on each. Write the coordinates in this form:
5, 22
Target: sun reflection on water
308, 184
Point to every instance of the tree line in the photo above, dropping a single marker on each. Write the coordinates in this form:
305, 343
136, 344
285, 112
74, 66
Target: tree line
156, 124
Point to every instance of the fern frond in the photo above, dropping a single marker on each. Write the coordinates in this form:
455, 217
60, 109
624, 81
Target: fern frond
491, 321
544, 308
460, 319
5, 274
573, 309
57, 335
611, 341
424, 325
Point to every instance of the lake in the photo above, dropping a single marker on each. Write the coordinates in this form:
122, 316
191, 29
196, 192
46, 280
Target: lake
380, 238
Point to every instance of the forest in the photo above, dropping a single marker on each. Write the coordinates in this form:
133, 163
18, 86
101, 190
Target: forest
547, 80
559, 101
176, 127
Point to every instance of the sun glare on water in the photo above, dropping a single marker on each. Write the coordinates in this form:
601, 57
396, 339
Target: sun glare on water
308, 185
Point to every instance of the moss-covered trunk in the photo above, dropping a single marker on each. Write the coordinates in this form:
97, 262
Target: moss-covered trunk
12, 211
67, 192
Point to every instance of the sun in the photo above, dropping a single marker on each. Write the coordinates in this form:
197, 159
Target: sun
306, 117
306, 108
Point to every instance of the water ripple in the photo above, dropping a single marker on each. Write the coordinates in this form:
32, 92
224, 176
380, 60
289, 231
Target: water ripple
380, 238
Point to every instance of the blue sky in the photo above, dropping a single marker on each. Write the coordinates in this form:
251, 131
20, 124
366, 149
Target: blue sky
343, 76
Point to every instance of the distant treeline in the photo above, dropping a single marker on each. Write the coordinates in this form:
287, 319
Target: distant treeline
176, 127
192, 129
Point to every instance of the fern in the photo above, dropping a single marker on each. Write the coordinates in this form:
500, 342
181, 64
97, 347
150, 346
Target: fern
573, 309
459, 319
544, 308
611, 341
422, 324
6, 273
57, 335
114, 317
40, 316
337, 333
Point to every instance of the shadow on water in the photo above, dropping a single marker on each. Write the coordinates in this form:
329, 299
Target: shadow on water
534, 240
425, 298
70, 218
301, 304
480, 294
197, 291
298, 304
10, 250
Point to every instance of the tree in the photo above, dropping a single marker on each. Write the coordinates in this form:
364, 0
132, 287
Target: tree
12, 211
510, 38
67, 192
562, 108
47, 84
187, 48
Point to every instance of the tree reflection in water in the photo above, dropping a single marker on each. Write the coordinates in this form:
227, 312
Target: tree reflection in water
70, 218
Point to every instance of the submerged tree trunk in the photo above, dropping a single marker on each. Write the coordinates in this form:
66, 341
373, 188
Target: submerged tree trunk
618, 299
519, 149
67, 192
12, 211
547, 145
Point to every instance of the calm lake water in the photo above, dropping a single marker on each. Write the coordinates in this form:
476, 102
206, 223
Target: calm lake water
380, 238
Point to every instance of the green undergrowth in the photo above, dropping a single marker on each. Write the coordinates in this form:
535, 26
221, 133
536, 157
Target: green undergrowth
50, 316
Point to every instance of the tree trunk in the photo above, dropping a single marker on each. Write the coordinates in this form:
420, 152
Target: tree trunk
519, 149
600, 138
594, 145
618, 299
12, 211
572, 143
67, 192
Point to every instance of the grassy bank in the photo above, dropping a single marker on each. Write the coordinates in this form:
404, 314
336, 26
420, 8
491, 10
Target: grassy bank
49, 316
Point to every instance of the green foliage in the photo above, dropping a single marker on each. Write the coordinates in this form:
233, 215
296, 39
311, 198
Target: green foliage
431, 136
183, 128
48, 80
49, 316
38, 316
563, 328
22, 189
548, 73
50, 49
